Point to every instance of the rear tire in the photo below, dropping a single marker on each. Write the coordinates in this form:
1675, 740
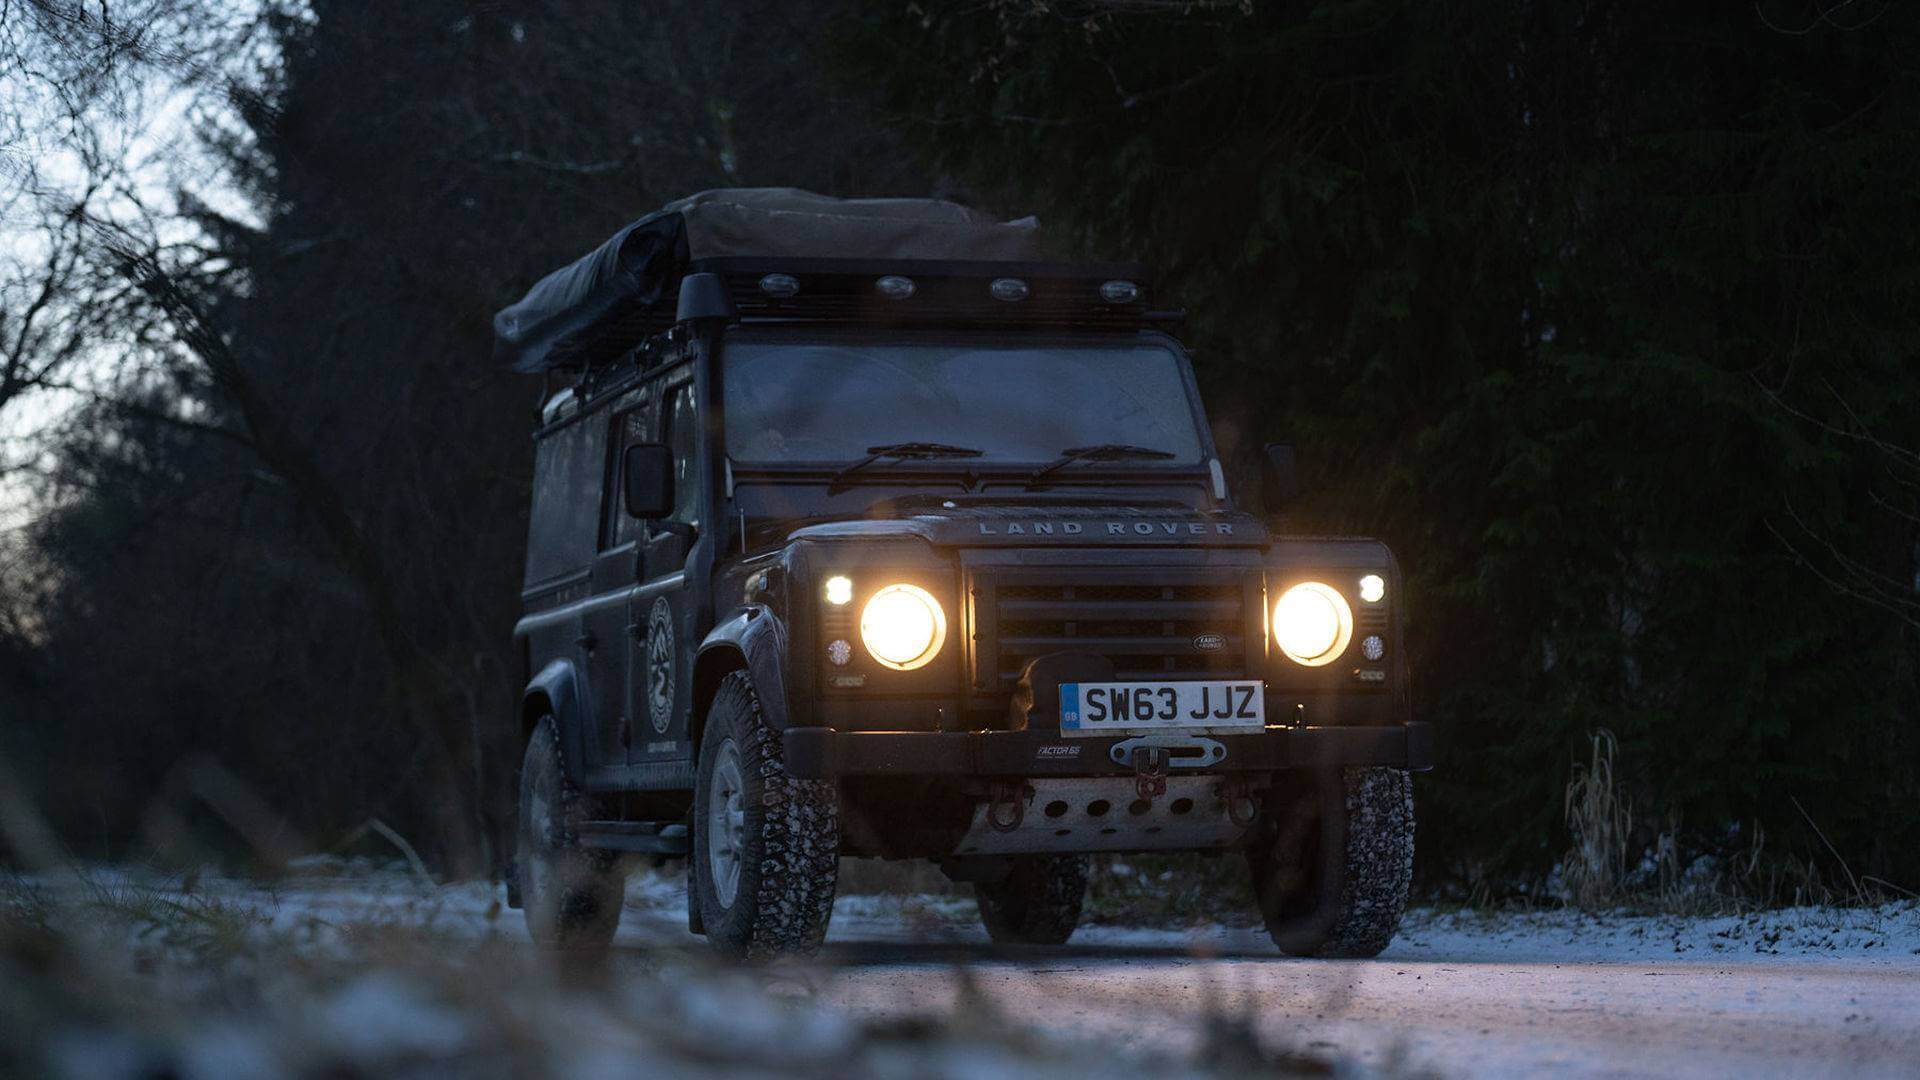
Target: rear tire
571, 895
766, 847
1333, 867
1037, 903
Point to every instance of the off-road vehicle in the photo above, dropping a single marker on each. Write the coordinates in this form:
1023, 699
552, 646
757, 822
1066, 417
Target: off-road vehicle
857, 530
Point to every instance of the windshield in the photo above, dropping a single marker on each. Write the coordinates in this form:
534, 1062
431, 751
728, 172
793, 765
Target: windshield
799, 401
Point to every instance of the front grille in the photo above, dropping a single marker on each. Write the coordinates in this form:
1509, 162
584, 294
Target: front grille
1148, 629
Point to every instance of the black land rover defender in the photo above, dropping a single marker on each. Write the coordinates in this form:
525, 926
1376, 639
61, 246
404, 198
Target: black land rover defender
858, 531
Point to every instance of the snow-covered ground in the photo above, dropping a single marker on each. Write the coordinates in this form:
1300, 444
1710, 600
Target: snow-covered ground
1785, 992
1885, 936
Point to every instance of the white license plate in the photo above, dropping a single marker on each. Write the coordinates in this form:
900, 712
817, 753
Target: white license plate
1099, 708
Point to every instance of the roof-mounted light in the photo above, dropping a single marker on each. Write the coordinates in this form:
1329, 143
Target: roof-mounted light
780, 286
894, 287
1119, 292
1010, 289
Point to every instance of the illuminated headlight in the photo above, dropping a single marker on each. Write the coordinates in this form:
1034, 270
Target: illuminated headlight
903, 627
1312, 624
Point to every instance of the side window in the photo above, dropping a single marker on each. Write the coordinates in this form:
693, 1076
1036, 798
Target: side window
568, 466
634, 425
683, 436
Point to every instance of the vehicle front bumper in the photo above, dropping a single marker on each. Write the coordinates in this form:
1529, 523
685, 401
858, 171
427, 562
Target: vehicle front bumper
816, 753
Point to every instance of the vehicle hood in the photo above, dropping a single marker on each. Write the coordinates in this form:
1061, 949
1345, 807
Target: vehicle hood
990, 525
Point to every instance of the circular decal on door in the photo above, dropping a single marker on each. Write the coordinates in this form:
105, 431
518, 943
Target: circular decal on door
660, 665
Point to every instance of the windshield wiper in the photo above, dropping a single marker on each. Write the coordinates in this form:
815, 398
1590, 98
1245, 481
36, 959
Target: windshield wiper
1102, 452
900, 452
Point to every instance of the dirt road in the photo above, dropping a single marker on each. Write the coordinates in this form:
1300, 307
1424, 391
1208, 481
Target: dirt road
1786, 994
1517, 1018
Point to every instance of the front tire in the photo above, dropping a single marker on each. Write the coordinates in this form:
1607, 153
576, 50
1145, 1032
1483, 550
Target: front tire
571, 895
766, 847
1334, 866
1037, 903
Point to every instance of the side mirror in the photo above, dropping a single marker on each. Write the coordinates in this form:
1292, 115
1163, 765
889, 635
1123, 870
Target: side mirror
646, 472
1279, 477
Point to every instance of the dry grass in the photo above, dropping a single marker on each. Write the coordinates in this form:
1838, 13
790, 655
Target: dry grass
1600, 820
1603, 870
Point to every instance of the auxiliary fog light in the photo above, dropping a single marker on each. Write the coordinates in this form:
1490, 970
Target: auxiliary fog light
903, 627
839, 590
1312, 623
1372, 588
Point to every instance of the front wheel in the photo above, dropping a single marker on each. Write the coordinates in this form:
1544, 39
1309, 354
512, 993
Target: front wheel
1334, 863
766, 847
1037, 903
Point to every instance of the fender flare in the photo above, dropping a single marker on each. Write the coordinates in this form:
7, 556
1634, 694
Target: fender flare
557, 689
753, 639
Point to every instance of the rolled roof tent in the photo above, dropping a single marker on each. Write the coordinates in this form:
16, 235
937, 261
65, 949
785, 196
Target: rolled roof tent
584, 312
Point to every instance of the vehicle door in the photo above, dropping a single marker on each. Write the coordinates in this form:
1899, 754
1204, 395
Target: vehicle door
608, 643
664, 606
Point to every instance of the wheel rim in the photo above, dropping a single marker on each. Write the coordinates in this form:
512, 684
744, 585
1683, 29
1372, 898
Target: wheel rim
726, 823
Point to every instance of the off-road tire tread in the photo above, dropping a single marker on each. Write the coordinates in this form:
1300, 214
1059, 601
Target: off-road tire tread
1379, 863
1374, 870
589, 915
1037, 903
792, 886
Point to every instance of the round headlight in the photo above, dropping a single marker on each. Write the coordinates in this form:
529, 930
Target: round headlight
903, 627
1312, 623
